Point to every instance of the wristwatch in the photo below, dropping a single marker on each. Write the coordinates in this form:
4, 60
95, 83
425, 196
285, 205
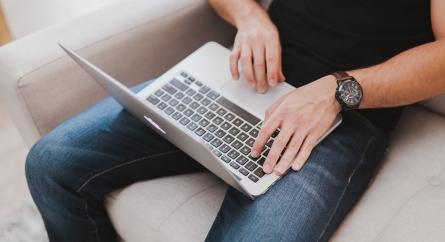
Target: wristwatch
349, 93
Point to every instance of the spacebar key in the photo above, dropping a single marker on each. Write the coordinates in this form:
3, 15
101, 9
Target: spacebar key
238, 111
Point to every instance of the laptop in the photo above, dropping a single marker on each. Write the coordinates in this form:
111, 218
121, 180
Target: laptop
197, 106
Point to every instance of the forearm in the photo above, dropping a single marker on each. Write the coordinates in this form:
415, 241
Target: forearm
411, 76
237, 12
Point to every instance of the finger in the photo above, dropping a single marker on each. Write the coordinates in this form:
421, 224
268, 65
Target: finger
234, 57
304, 152
267, 129
272, 63
281, 77
276, 150
290, 153
259, 66
246, 62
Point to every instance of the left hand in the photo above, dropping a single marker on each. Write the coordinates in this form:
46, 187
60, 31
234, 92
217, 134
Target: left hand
303, 116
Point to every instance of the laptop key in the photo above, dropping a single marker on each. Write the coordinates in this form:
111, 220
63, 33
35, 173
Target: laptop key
209, 115
188, 112
212, 128
177, 116
184, 121
198, 83
198, 97
201, 110
159, 93
237, 122
213, 95
251, 166
234, 131
224, 148
226, 125
275, 134
191, 79
192, 126
242, 136
259, 172
200, 131
204, 89
204, 122
243, 171
234, 165
184, 74
261, 161
259, 125
213, 106
217, 153
269, 143
179, 95
221, 111
216, 143
225, 159
242, 160
208, 137
250, 142
217, 120
245, 150
253, 178
162, 106
166, 97
229, 116
205, 101
153, 99
266, 153
181, 107
253, 158
188, 81
233, 154
228, 139
194, 105
196, 117
169, 89
220, 133
169, 110
236, 144
246, 127
186, 100
181, 86
173, 102
254, 132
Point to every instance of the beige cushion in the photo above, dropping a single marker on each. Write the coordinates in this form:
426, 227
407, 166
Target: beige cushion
435, 104
406, 201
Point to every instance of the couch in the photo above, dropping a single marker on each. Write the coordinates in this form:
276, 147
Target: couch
137, 40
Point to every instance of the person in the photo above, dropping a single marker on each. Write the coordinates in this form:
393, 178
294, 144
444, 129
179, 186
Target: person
395, 52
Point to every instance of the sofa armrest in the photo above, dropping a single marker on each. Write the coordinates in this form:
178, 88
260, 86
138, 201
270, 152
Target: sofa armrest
132, 40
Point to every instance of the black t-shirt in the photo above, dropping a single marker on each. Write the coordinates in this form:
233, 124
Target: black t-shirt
319, 37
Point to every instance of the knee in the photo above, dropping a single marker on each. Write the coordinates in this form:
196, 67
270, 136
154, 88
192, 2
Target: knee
43, 166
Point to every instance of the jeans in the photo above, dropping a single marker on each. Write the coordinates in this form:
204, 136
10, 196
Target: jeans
104, 148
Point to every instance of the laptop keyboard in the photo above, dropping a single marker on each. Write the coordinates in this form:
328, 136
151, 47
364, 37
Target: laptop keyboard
229, 130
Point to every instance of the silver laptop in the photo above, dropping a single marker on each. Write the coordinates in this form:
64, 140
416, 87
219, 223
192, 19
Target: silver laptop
198, 107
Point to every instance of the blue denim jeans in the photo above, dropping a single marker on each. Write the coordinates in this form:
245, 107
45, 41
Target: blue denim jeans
105, 148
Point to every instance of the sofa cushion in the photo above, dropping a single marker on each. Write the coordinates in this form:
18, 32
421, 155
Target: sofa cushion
435, 104
406, 201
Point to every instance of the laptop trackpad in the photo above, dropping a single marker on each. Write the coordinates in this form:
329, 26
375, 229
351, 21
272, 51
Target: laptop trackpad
257, 102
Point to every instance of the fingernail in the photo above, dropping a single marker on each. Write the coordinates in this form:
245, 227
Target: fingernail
278, 169
266, 168
297, 167
254, 153
272, 82
262, 90
251, 84
235, 78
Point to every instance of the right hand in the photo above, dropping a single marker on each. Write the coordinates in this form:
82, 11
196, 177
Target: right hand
257, 46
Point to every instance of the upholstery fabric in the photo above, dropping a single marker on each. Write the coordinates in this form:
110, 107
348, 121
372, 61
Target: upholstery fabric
406, 201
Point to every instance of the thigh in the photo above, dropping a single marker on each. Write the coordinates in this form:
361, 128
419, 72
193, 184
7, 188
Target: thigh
310, 204
105, 148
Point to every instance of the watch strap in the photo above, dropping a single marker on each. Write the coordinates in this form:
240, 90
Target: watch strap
341, 75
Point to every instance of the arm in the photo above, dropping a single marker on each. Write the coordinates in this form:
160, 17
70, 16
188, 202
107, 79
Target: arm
305, 114
257, 39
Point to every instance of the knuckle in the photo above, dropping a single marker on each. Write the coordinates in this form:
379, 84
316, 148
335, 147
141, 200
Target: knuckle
272, 58
259, 64
280, 142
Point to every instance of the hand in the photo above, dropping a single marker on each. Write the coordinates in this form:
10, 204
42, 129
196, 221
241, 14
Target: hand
303, 116
257, 39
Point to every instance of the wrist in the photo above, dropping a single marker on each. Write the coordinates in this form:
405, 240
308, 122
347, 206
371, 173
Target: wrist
329, 85
252, 14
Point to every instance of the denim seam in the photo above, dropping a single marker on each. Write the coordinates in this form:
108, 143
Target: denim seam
121, 165
349, 182
91, 219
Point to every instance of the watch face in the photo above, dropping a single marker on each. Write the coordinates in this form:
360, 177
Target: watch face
351, 92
